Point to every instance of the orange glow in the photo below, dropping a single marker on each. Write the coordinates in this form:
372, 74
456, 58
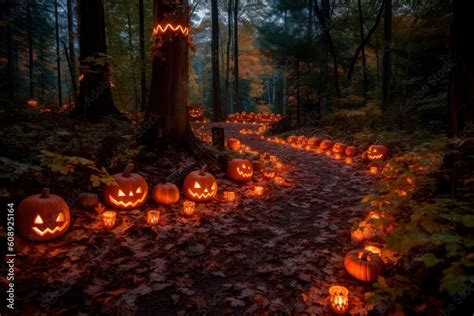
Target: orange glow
108, 218
374, 170
188, 208
337, 156
373, 249
339, 299
348, 160
229, 196
81, 77
258, 190
159, 29
152, 217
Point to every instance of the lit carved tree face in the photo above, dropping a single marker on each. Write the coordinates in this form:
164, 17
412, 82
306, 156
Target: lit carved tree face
43, 216
377, 152
130, 192
240, 170
200, 186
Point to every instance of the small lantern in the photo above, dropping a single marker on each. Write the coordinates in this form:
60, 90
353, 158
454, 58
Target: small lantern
278, 165
348, 161
339, 299
374, 170
279, 180
328, 153
337, 156
258, 190
152, 217
273, 158
373, 249
109, 219
319, 151
229, 196
188, 208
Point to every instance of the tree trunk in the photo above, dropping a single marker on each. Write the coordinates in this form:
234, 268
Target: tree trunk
364, 64
298, 118
30, 50
95, 95
461, 90
285, 94
141, 18
42, 69
58, 54
387, 56
236, 57
10, 53
216, 86
72, 53
166, 121
130, 55
324, 68
228, 104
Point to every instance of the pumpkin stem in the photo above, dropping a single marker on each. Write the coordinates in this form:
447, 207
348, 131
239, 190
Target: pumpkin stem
127, 170
203, 170
45, 193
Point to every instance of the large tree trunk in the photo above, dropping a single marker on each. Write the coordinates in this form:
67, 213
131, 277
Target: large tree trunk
166, 121
30, 50
216, 86
228, 103
72, 53
130, 55
387, 56
141, 18
10, 52
236, 57
58, 55
461, 90
95, 95
298, 115
361, 28
324, 68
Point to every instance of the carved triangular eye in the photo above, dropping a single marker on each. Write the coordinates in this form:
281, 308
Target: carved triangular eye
38, 220
197, 185
120, 193
139, 190
130, 194
60, 217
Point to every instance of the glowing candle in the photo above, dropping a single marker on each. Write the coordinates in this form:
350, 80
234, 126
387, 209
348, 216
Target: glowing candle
278, 165
328, 153
374, 170
188, 208
108, 218
229, 196
373, 249
152, 217
279, 180
258, 190
348, 160
337, 156
339, 299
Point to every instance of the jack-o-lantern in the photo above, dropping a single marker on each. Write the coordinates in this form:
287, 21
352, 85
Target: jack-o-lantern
200, 186
32, 103
240, 170
258, 165
350, 151
363, 265
43, 216
195, 113
314, 141
326, 144
251, 116
243, 115
165, 194
339, 148
233, 143
269, 173
377, 152
130, 192
291, 139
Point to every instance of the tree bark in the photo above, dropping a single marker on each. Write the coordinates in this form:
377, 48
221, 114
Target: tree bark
141, 18
216, 86
30, 50
95, 94
130, 55
166, 120
10, 53
72, 53
227, 101
58, 54
364, 64
387, 56
236, 57
298, 116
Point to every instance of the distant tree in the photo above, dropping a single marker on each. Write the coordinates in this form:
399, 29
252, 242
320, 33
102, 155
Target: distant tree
141, 18
58, 55
387, 55
216, 87
72, 54
236, 57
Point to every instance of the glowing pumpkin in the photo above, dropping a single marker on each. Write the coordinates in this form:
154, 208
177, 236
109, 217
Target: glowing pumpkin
233, 143
314, 141
195, 113
269, 173
363, 156
339, 148
326, 144
32, 103
350, 151
200, 186
251, 116
363, 265
377, 152
165, 194
240, 170
130, 192
42, 216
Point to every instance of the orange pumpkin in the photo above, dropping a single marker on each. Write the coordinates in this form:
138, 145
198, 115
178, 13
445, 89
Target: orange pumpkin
314, 141
195, 113
165, 194
130, 192
326, 144
363, 156
339, 148
42, 216
240, 170
350, 151
363, 265
233, 143
251, 116
258, 165
291, 139
200, 186
377, 152
269, 173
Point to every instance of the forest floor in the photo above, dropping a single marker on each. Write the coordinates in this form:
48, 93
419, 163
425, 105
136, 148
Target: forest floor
275, 253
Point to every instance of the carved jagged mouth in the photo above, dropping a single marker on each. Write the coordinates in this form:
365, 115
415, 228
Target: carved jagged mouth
375, 156
128, 204
204, 195
244, 174
49, 230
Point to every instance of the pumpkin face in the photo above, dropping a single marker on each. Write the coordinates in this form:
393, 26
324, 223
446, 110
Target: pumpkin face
326, 144
233, 143
195, 113
350, 151
377, 152
240, 170
339, 148
363, 265
43, 216
130, 192
269, 173
200, 186
165, 194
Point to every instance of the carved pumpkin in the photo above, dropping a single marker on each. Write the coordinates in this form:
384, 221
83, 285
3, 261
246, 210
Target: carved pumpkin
314, 141
88, 200
377, 152
363, 156
165, 194
269, 173
326, 144
240, 170
350, 151
233, 143
43, 216
291, 139
363, 265
339, 148
130, 192
258, 165
195, 113
200, 186
32, 103
251, 116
